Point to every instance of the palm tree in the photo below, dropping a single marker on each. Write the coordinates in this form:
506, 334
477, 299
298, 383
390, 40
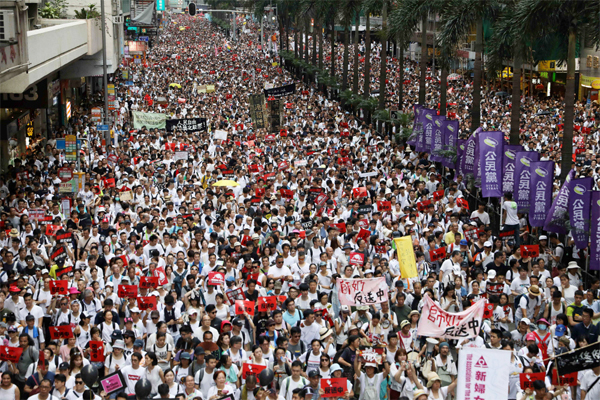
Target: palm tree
405, 19
367, 79
356, 53
542, 18
458, 18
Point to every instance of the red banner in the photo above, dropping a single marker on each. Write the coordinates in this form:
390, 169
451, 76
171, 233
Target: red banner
242, 306
462, 203
251, 369
334, 387
287, 194
127, 291
422, 205
356, 258
359, 192
384, 206
61, 332
532, 251
63, 271
488, 310
363, 234
321, 199
12, 354
283, 166
109, 183
527, 379
96, 351
438, 195
216, 278
148, 282
437, 254
59, 287
162, 276
267, 303
568, 379
52, 229
341, 227
147, 303
380, 249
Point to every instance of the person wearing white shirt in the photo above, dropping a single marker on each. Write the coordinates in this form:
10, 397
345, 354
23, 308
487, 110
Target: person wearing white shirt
590, 384
133, 373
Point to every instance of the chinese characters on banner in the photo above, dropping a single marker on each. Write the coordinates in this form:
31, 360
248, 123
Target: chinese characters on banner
578, 360
406, 257
362, 292
595, 232
61, 332
436, 322
540, 195
483, 374
97, 351
334, 387
490, 157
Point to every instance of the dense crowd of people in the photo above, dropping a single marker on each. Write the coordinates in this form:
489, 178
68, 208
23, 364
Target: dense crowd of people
149, 209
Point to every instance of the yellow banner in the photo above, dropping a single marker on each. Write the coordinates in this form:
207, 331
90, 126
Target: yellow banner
406, 257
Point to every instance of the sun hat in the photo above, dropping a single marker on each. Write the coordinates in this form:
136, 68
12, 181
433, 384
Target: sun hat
419, 393
431, 378
534, 290
325, 333
335, 367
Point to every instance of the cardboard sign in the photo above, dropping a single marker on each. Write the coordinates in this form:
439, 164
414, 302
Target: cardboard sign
568, 379
96, 351
61, 332
437, 254
242, 306
438, 195
359, 192
462, 203
147, 303
356, 258
340, 226
364, 234
59, 287
127, 291
488, 310
527, 379
422, 205
384, 206
287, 194
216, 278
148, 282
52, 229
532, 251
12, 354
235, 294
59, 254
283, 166
267, 303
162, 276
251, 369
334, 387
109, 183
113, 383
380, 249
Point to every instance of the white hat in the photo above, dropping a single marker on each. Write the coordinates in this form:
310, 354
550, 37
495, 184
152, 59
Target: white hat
211, 245
155, 293
255, 236
237, 244
491, 274
526, 320
371, 364
572, 264
110, 284
119, 344
487, 244
135, 310
543, 237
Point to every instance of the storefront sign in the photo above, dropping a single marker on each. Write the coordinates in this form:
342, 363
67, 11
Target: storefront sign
71, 147
35, 96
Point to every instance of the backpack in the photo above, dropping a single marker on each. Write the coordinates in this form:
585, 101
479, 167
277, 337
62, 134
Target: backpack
287, 383
518, 300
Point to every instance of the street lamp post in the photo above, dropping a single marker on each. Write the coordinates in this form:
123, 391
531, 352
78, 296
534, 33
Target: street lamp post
104, 72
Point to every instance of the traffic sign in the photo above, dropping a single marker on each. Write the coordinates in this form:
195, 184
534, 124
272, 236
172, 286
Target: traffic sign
102, 127
65, 174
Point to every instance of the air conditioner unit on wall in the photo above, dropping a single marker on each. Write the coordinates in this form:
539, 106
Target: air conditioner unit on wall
8, 32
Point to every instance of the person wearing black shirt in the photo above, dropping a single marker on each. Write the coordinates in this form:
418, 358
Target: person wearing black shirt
251, 294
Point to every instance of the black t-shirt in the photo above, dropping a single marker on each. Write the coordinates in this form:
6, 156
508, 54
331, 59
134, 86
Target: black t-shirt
348, 355
253, 296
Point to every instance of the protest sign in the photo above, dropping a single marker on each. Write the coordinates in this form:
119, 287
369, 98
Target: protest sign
577, 360
528, 251
64, 271
113, 383
556, 220
488, 310
356, 258
52, 229
568, 379
59, 288
251, 369
266, 303
509, 157
436, 322
406, 257
363, 233
59, 254
235, 294
186, 125
280, 91
12, 354
522, 184
490, 157
437, 254
334, 387
127, 291
384, 206
438, 195
161, 274
483, 374
64, 238
359, 192
242, 306
257, 110
579, 210
540, 196
126, 195
61, 332
437, 138
216, 278
595, 232
220, 134
96, 351
148, 282
361, 292
147, 303
149, 120
528, 378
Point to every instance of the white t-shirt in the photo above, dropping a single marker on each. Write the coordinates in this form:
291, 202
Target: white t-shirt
520, 285
511, 213
132, 376
370, 387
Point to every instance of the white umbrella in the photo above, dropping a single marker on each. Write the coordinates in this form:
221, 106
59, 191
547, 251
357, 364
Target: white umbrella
454, 77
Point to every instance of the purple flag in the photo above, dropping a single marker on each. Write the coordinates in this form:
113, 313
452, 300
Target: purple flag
490, 156
595, 247
579, 208
437, 140
417, 126
468, 159
508, 166
523, 178
460, 151
556, 219
424, 140
540, 196
450, 134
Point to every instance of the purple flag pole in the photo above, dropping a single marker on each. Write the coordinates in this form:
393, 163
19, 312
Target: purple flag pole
595, 230
542, 173
437, 140
523, 178
579, 206
417, 126
450, 141
490, 158
556, 218
469, 154
460, 151
508, 166
424, 140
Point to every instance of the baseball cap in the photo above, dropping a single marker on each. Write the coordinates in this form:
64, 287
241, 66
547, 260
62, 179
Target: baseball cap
487, 244
491, 274
138, 343
463, 242
199, 351
560, 330
314, 374
119, 344
29, 317
185, 356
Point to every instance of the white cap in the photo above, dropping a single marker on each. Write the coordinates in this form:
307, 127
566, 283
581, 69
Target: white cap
487, 244
211, 245
110, 284
135, 310
543, 237
491, 274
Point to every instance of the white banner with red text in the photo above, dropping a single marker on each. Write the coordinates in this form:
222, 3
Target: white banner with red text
362, 292
483, 374
435, 322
